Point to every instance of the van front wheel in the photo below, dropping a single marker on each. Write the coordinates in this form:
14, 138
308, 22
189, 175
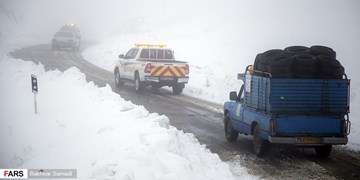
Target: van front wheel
118, 81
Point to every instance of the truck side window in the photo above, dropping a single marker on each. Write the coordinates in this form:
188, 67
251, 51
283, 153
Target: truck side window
152, 53
145, 53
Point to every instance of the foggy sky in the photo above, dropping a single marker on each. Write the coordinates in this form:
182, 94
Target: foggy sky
252, 25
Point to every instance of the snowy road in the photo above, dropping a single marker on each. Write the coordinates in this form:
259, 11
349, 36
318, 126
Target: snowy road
204, 120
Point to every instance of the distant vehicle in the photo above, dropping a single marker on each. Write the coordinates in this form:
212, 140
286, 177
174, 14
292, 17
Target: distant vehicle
151, 65
296, 109
68, 37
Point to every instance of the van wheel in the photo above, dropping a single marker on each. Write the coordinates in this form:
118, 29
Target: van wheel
231, 134
260, 146
178, 88
138, 84
118, 82
323, 151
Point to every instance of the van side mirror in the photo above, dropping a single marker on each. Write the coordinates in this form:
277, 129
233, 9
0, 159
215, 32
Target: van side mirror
233, 96
121, 56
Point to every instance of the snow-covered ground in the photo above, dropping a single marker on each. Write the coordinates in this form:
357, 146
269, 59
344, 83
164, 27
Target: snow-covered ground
93, 130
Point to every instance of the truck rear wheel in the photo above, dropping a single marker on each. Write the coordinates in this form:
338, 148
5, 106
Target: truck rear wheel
231, 134
260, 146
323, 151
178, 88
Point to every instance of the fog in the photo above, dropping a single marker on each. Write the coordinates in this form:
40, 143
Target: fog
244, 27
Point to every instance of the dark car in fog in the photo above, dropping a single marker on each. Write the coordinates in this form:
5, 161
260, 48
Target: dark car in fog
68, 37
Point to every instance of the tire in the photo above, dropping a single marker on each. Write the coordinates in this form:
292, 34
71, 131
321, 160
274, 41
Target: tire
231, 134
138, 84
305, 66
260, 146
323, 151
266, 58
118, 82
330, 68
257, 62
275, 61
273, 53
296, 50
281, 68
323, 50
178, 88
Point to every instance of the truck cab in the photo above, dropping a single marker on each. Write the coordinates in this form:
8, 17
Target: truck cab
302, 112
151, 65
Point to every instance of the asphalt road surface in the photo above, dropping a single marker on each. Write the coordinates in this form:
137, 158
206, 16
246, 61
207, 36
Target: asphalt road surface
204, 120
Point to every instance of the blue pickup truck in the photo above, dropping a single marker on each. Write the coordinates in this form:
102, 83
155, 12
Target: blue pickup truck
302, 112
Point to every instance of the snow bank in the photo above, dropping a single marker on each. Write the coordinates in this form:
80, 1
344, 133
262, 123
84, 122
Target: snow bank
354, 138
94, 130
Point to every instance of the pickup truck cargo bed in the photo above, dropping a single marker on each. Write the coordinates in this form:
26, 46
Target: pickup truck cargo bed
301, 96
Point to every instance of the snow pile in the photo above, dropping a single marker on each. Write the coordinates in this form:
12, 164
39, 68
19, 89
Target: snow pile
354, 138
93, 130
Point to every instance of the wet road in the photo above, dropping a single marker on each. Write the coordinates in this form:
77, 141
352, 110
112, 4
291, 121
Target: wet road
204, 120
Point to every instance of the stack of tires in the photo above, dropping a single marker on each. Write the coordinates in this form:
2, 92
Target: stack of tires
316, 62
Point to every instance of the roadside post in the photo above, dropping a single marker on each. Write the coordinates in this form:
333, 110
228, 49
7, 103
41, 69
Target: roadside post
34, 87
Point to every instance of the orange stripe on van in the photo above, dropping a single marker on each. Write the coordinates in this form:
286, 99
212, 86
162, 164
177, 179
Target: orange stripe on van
173, 71
156, 71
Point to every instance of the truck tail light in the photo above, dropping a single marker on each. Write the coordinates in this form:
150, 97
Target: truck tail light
346, 125
148, 68
272, 126
186, 69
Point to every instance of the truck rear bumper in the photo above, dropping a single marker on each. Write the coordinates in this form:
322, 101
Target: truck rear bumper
308, 140
158, 79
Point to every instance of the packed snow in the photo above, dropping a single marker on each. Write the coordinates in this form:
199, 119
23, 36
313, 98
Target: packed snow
93, 130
